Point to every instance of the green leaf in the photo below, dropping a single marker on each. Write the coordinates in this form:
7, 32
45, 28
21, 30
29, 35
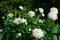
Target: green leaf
55, 37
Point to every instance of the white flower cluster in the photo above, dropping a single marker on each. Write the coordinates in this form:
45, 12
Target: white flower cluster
32, 13
37, 33
19, 20
53, 14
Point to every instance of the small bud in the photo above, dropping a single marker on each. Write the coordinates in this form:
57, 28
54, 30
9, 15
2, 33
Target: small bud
42, 14
36, 9
29, 29
21, 7
19, 34
3, 17
26, 23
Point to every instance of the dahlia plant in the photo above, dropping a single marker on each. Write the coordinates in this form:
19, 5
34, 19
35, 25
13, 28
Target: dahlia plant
30, 25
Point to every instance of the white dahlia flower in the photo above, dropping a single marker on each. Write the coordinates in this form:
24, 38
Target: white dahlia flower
23, 20
41, 10
21, 7
10, 15
52, 16
31, 13
17, 21
53, 9
37, 33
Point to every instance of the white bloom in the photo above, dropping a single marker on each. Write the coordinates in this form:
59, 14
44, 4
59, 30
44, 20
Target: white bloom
42, 14
17, 21
21, 7
31, 13
53, 13
23, 20
19, 34
41, 10
41, 21
37, 33
10, 15
53, 9
53, 16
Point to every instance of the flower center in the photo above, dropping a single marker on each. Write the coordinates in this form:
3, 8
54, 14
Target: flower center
38, 32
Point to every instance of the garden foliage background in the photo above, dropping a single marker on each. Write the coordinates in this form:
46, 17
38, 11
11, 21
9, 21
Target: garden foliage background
51, 28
